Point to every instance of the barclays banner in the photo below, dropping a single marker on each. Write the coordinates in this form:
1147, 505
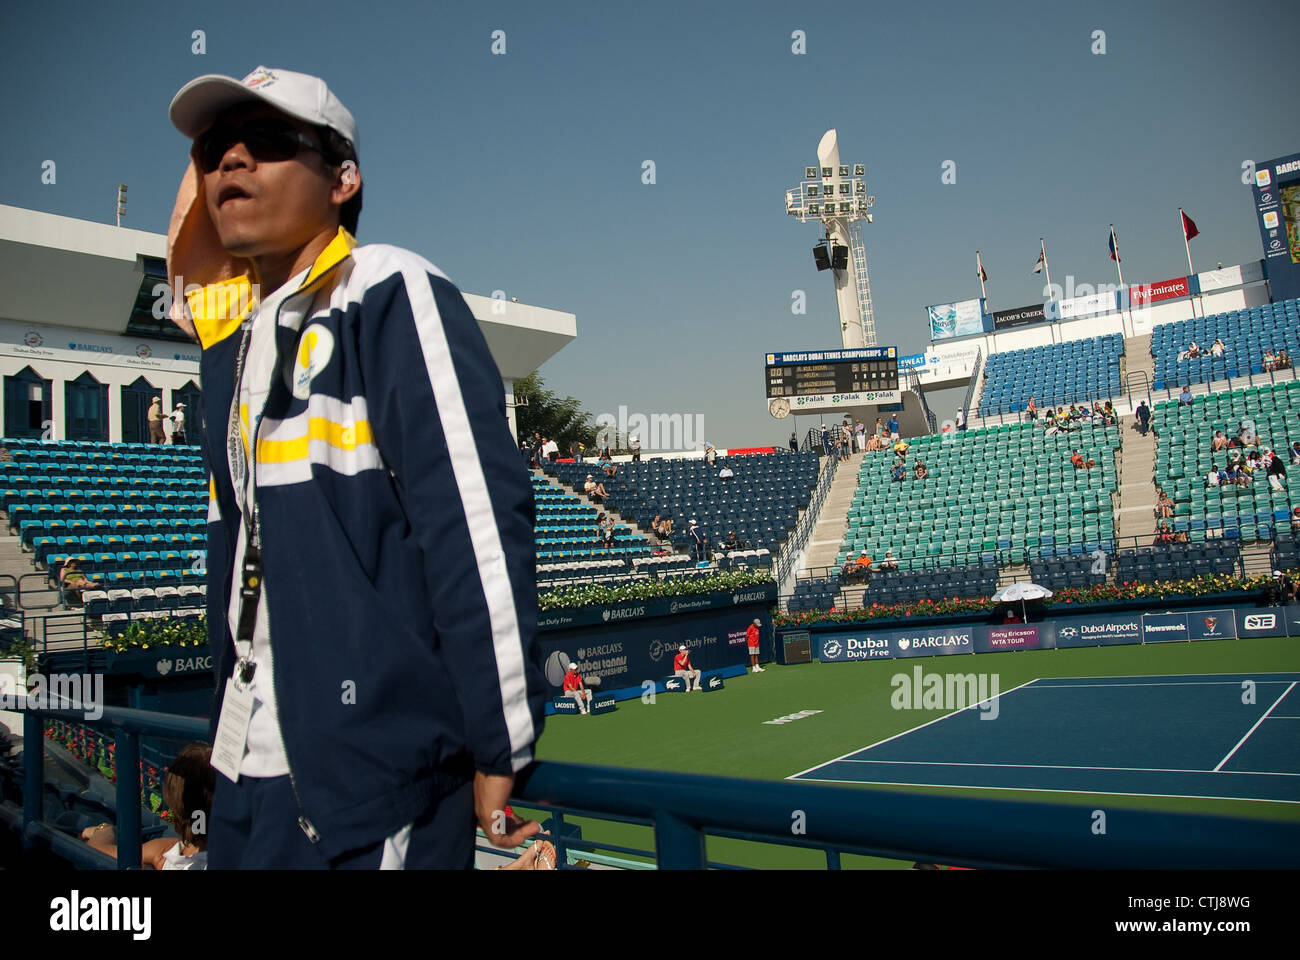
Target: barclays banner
636, 610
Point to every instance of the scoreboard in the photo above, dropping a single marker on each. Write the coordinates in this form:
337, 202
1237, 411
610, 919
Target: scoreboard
831, 378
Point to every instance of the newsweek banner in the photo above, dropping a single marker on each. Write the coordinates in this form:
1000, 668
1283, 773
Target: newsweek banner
34, 342
1034, 313
1141, 295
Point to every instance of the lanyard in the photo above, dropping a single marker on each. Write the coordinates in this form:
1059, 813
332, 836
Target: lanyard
250, 589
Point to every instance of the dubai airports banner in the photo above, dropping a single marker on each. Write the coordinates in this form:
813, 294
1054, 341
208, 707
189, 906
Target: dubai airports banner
1019, 317
1277, 211
961, 319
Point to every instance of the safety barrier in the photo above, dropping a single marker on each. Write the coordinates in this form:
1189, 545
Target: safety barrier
682, 809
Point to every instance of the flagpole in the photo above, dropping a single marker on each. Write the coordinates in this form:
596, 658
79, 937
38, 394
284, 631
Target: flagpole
1191, 271
1120, 267
1042, 248
979, 266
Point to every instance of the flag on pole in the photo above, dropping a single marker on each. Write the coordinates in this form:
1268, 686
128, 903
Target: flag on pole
1112, 246
983, 276
1038, 264
1189, 228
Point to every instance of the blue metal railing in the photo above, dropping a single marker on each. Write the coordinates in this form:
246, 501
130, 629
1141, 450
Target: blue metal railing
803, 530
974, 382
683, 809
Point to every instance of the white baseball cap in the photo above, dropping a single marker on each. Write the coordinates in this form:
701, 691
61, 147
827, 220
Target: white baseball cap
199, 103
682, 647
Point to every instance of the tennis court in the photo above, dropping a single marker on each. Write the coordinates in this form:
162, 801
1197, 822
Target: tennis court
1210, 736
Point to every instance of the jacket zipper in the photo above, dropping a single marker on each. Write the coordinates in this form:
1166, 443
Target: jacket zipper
303, 823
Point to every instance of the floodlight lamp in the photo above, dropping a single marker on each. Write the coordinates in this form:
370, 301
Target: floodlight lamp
844, 170
860, 187
828, 172
859, 169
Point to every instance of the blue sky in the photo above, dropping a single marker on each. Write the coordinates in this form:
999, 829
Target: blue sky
522, 172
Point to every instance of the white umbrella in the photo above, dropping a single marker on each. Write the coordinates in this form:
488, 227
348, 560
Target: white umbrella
1022, 592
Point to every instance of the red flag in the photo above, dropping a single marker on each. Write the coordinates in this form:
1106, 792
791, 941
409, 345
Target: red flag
1189, 228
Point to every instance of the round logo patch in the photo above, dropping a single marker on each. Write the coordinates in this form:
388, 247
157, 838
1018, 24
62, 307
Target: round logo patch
315, 347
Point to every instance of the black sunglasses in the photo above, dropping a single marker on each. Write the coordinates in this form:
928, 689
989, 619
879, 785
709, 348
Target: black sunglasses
267, 142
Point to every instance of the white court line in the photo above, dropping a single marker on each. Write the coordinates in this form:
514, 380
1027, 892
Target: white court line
1102, 793
1062, 766
1289, 674
906, 732
1252, 729
1108, 686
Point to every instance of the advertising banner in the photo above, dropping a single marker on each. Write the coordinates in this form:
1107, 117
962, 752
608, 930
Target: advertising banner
161, 662
35, 342
1277, 211
930, 643
1098, 631
819, 401
961, 319
1105, 302
1267, 622
1034, 313
1148, 293
658, 607
1012, 638
1164, 627
628, 653
841, 647
1211, 625
1229, 277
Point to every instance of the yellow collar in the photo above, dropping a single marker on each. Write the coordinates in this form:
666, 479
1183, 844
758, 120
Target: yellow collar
219, 308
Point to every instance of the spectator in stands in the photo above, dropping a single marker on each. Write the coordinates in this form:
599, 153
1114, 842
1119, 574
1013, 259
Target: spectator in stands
889, 563
1185, 398
1012, 616
901, 447
682, 667
1218, 348
1077, 460
1282, 589
156, 434
794, 443
596, 491
1295, 452
73, 581
606, 464
1109, 410
874, 443
732, 542
899, 473
1295, 520
1215, 477
1269, 360
880, 429
699, 543
752, 637
860, 431
893, 427
654, 526
846, 440
961, 418
726, 473
666, 526
1164, 505
826, 440
1219, 442
1165, 532
187, 790
1031, 409
710, 453
1282, 361
1246, 431
576, 690
1143, 415
178, 424
921, 472
5, 455
858, 569
550, 449
1276, 473
634, 444
605, 525
1191, 353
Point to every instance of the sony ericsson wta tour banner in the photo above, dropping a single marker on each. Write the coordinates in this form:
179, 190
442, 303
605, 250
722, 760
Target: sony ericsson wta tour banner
961, 319
33, 342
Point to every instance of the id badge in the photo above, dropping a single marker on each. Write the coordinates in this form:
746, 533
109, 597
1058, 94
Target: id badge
232, 730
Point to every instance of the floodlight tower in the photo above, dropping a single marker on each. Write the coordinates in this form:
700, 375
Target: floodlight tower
830, 196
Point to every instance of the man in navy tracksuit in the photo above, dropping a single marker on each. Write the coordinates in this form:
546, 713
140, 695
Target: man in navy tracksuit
371, 598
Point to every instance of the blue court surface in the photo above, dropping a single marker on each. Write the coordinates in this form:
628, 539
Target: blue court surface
1178, 736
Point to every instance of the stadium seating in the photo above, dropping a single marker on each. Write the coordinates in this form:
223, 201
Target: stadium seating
1059, 373
901, 586
1184, 457
566, 533
761, 502
1177, 561
992, 495
1245, 333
